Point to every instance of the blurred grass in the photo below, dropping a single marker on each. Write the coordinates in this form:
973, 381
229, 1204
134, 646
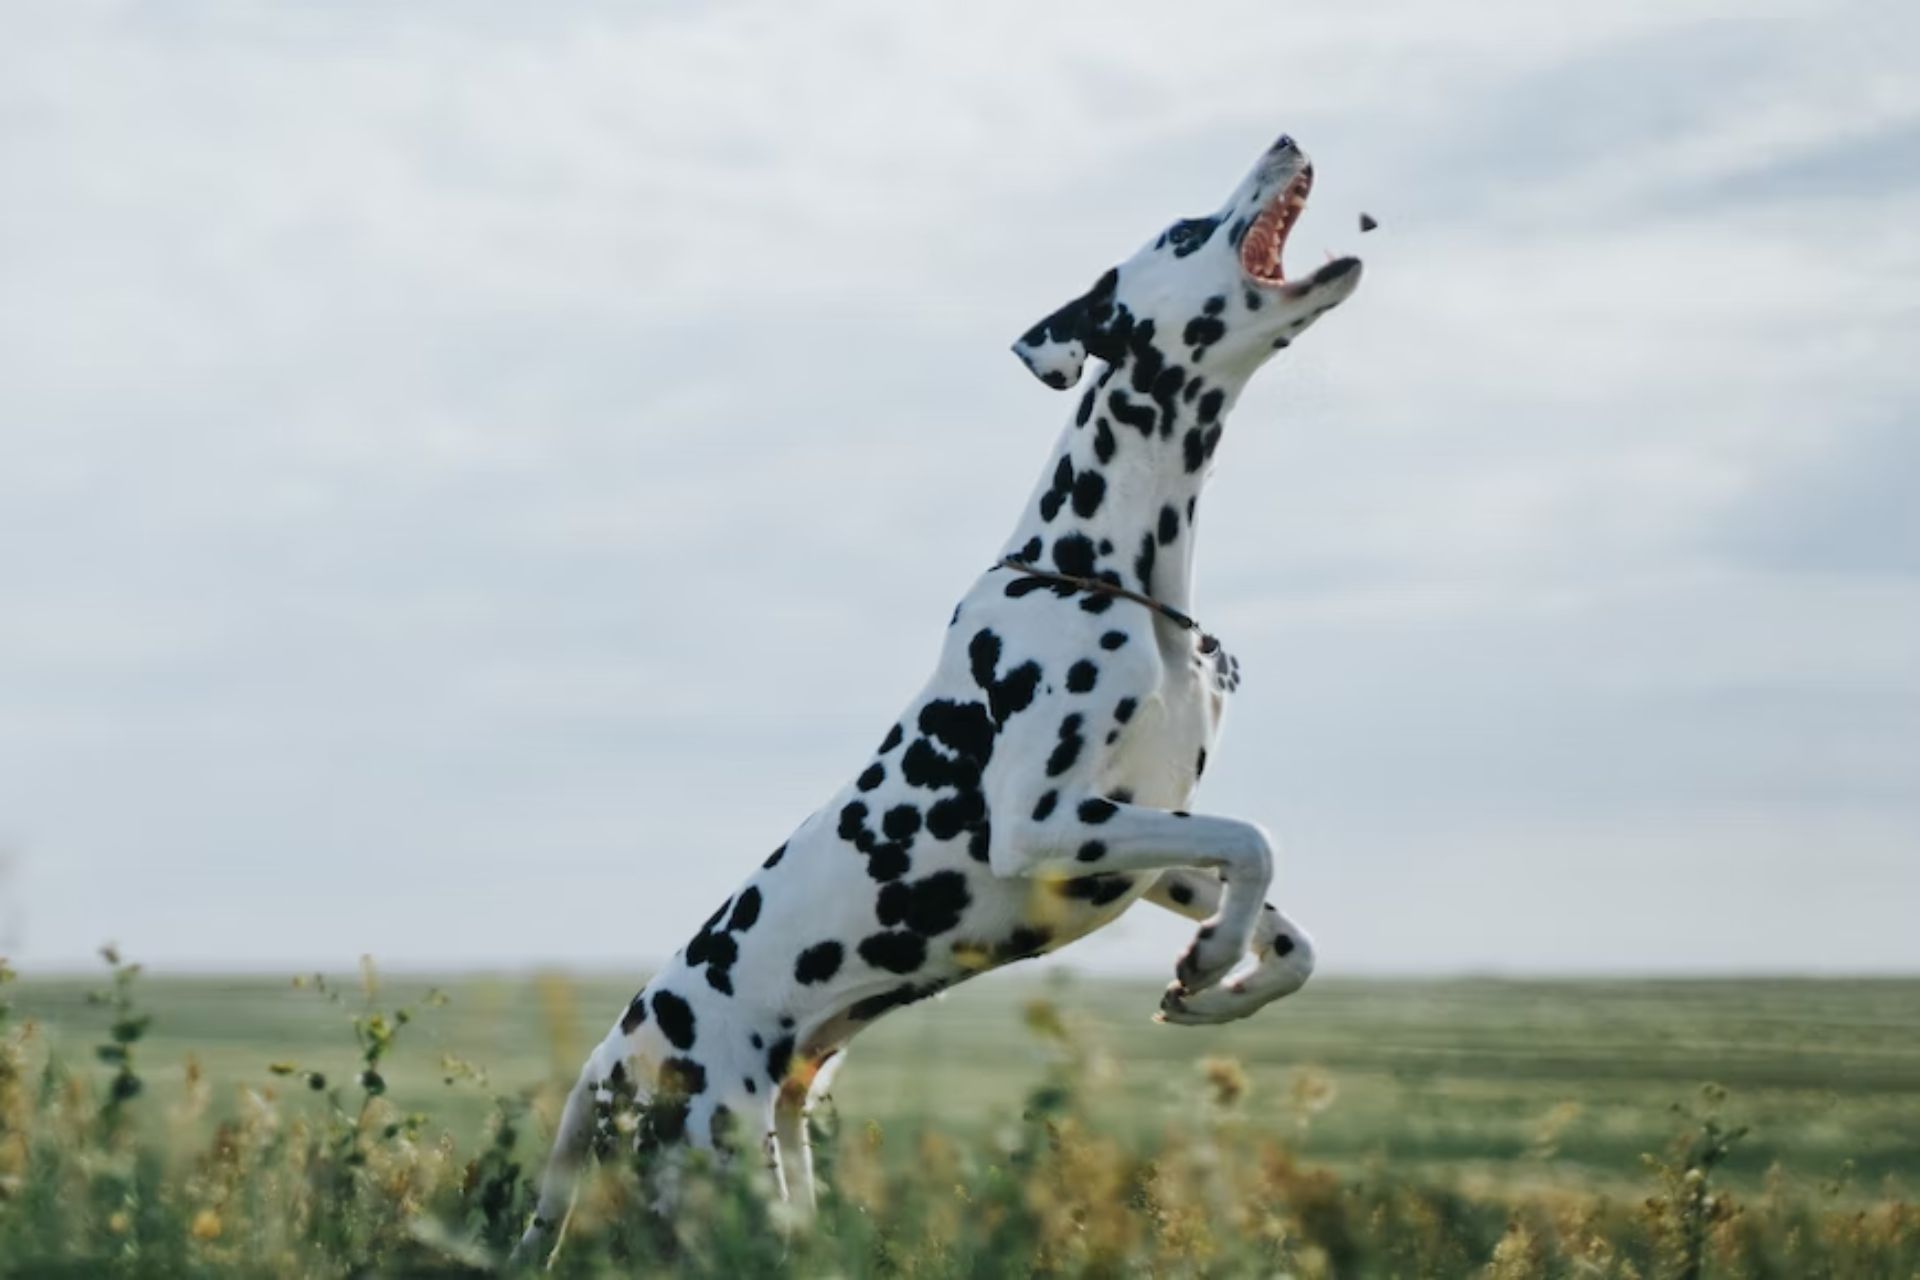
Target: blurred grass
1503, 1084
346, 1127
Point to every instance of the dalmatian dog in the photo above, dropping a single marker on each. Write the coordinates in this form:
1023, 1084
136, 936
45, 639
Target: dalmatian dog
1039, 784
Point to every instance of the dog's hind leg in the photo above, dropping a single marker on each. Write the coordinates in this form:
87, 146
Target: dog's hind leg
571, 1139
794, 1148
1280, 958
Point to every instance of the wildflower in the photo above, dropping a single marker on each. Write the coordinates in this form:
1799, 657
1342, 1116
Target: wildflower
206, 1225
1228, 1078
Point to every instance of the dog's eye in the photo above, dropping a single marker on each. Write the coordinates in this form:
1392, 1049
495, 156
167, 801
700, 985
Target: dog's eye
1189, 234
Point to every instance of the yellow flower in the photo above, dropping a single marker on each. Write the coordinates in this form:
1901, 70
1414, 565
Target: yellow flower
119, 1223
206, 1225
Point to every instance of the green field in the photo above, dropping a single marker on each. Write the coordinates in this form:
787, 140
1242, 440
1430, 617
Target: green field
1491, 1106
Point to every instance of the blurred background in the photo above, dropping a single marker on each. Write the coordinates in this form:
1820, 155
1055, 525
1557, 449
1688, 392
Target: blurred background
472, 478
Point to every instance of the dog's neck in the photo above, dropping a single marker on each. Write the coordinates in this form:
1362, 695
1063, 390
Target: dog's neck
1121, 491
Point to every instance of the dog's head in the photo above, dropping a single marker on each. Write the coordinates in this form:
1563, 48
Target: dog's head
1207, 291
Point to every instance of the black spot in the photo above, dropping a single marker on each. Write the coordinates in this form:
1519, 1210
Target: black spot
720, 980
853, 825
1200, 763
778, 1058
1096, 811
1015, 693
1193, 448
873, 1006
745, 911
1203, 331
1121, 795
720, 1127
1025, 586
889, 862
983, 652
948, 816
1088, 489
721, 950
1169, 525
1188, 235
773, 859
1098, 890
1113, 639
756, 1041
962, 727
874, 775
1103, 442
1282, 945
901, 822
1023, 942
675, 1017
894, 951
1067, 750
747, 1083
818, 963
1045, 807
1166, 388
682, 1077
1143, 563
1073, 554
1141, 417
664, 1123
1216, 304
1033, 549
1123, 710
1081, 675
1004, 696
635, 1015
1180, 893
980, 841
1210, 404
1085, 410
894, 735
1092, 851
937, 903
890, 908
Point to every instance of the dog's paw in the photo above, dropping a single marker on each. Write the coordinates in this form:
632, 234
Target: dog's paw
1226, 1003
1209, 958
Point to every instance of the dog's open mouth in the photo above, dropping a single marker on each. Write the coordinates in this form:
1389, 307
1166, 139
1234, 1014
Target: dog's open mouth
1267, 238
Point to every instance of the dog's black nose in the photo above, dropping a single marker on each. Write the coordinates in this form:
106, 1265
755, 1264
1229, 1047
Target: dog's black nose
1285, 142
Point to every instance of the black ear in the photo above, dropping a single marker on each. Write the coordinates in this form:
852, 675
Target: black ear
1056, 348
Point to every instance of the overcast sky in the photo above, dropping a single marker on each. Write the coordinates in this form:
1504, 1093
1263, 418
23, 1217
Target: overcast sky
474, 476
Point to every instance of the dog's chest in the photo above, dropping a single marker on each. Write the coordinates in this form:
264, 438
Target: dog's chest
1158, 756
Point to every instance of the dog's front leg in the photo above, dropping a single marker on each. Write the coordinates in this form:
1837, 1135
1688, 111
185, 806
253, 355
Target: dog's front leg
1085, 835
1280, 958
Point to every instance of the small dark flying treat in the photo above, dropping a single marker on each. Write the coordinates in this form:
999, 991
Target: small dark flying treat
1367, 222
